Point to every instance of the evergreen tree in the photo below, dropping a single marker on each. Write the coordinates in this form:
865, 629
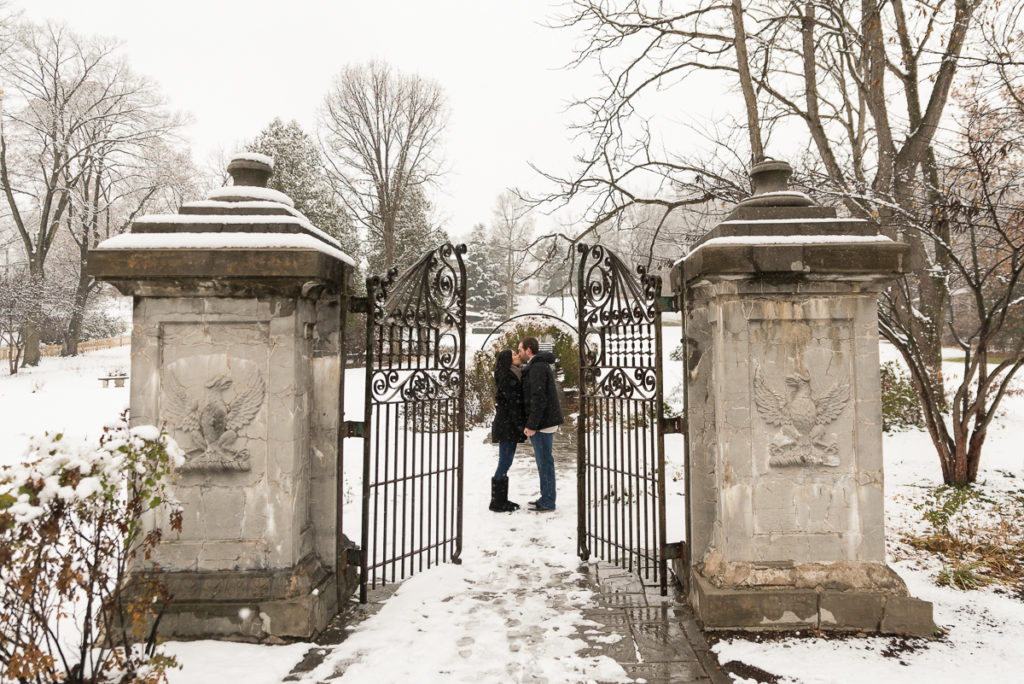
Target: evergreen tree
484, 293
299, 173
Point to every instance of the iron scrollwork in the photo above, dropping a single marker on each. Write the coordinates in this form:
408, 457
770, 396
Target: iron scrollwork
618, 310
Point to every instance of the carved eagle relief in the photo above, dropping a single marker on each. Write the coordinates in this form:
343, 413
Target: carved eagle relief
211, 421
802, 417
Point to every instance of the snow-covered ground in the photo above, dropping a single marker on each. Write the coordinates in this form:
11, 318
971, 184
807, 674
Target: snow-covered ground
513, 609
60, 395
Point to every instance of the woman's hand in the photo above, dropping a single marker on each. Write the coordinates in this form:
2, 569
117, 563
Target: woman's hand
528, 432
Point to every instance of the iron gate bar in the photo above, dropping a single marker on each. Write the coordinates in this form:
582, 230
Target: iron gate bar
620, 441
415, 397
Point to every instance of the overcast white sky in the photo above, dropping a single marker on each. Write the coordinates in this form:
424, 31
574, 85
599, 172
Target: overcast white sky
235, 65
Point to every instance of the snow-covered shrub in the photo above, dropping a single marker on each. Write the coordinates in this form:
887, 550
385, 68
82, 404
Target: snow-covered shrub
901, 404
480, 374
70, 531
100, 323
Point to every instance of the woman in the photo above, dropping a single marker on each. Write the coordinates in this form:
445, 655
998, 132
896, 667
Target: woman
507, 428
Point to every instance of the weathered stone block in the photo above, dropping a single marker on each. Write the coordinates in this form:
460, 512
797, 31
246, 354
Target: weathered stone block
784, 405
752, 609
851, 611
909, 616
223, 354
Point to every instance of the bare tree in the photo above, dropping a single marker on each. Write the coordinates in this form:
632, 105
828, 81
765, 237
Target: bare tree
980, 207
872, 82
24, 298
511, 233
868, 82
69, 103
380, 131
130, 174
641, 50
15, 303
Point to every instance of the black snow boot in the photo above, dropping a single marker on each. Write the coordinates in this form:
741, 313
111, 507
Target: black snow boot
499, 496
496, 499
509, 506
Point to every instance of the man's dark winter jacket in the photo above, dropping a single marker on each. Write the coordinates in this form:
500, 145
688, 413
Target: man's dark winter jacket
508, 410
540, 398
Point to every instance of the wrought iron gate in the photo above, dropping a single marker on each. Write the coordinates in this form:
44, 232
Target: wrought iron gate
621, 444
414, 415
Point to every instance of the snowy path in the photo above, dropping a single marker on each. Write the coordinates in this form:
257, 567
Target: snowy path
513, 611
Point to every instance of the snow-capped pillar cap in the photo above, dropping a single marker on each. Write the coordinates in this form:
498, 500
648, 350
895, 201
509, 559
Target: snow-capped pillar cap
784, 233
251, 169
770, 175
770, 181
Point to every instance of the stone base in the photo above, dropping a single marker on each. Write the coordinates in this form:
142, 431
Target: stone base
265, 606
779, 608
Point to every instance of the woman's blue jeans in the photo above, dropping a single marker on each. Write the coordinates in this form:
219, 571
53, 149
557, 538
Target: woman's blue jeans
506, 452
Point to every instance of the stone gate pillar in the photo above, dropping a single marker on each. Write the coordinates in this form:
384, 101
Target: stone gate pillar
785, 484
238, 304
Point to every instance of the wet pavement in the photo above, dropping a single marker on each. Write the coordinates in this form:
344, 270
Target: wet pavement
654, 638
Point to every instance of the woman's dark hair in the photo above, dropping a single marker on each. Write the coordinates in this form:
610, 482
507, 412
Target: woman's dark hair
502, 364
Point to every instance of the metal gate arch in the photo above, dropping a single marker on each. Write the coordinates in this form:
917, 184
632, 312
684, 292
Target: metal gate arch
414, 413
621, 425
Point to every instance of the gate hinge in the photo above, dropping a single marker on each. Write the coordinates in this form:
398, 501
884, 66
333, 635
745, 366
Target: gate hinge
354, 428
353, 555
674, 550
669, 303
673, 426
357, 305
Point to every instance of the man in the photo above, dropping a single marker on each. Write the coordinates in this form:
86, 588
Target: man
543, 416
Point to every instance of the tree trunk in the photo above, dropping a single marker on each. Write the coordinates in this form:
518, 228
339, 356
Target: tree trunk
937, 287
389, 245
746, 85
933, 306
960, 465
13, 357
974, 455
932, 293
31, 349
31, 352
73, 333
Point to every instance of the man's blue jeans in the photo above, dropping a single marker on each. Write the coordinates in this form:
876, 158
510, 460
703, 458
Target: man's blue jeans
506, 452
542, 443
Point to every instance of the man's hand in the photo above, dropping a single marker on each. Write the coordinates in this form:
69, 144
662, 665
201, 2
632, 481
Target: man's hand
528, 432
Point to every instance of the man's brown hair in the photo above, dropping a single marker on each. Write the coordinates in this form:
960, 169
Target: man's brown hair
531, 344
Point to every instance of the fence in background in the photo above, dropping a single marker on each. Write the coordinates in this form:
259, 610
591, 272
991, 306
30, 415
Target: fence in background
88, 345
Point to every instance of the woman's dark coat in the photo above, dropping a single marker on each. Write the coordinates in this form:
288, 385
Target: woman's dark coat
508, 410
